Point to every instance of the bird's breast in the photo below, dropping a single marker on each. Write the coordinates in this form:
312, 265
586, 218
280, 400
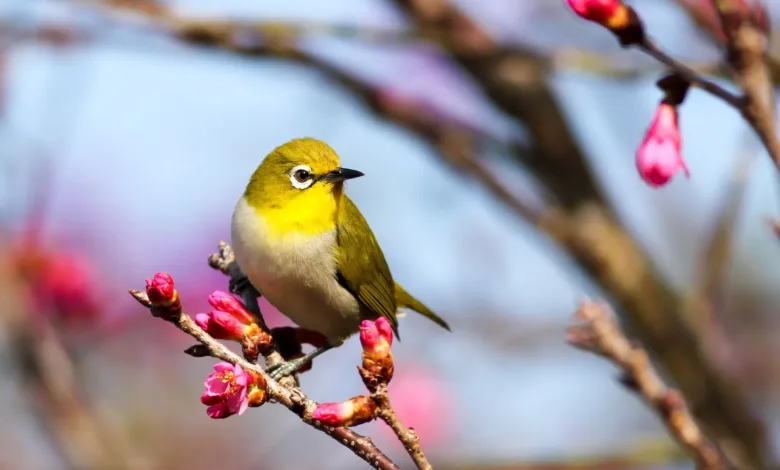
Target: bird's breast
296, 272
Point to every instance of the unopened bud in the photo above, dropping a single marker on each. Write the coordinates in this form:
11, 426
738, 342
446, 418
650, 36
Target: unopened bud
614, 15
357, 410
163, 297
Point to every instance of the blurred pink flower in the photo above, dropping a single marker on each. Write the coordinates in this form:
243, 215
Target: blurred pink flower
226, 391
659, 156
422, 402
64, 283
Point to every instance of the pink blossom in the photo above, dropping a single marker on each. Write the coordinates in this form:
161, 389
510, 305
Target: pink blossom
160, 289
225, 302
602, 12
226, 391
376, 337
660, 155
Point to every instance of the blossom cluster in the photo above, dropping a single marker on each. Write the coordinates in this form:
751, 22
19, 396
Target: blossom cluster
231, 389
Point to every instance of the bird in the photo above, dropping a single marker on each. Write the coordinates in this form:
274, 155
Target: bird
306, 247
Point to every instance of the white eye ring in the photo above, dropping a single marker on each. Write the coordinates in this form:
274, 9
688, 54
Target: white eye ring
296, 182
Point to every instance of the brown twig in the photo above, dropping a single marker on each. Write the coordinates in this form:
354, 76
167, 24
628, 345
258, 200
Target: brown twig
599, 333
291, 398
649, 46
407, 436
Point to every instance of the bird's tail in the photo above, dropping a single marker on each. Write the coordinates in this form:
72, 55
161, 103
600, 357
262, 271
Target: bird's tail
405, 300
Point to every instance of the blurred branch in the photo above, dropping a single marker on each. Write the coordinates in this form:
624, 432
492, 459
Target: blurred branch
746, 54
586, 226
703, 15
51, 384
718, 247
290, 397
455, 141
651, 47
599, 333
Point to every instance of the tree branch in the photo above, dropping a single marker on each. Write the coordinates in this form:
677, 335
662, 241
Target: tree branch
600, 334
291, 398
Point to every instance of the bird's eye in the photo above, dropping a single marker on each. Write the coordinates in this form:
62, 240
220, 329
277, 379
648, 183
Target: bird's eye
301, 177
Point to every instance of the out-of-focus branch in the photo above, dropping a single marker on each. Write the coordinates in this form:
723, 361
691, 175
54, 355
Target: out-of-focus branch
599, 333
291, 398
456, 141
703, 14
746, 54
51, 384
650, 47
588, 229
718, 247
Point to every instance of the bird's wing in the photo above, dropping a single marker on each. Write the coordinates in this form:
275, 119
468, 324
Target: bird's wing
362, 268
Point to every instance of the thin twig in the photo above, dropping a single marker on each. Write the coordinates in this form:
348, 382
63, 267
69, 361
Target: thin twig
407, 436
292, 398
599, 333
649, 46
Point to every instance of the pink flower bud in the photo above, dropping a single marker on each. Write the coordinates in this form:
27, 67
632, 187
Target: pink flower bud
608, 13
226, 391
221, 325
225, 302
160, 289
376, 337
352, 412
660, 155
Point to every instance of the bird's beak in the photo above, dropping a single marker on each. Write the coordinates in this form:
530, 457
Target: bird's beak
341, 174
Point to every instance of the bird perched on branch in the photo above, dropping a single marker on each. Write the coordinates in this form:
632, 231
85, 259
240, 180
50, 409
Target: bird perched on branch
305, 246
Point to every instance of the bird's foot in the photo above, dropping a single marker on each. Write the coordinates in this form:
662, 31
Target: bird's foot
285, 369
239, 283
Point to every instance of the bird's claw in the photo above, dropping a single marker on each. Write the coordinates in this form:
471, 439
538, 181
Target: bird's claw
285, 369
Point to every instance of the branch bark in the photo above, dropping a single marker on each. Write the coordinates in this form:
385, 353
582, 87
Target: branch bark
598, 333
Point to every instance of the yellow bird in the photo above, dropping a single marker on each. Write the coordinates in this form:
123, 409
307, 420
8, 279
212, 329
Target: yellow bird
305, 246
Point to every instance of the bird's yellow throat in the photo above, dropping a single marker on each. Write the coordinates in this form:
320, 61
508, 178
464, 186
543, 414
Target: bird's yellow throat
309, 213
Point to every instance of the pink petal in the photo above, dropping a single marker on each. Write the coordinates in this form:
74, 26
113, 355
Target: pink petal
238, 401
218, 411
223, 367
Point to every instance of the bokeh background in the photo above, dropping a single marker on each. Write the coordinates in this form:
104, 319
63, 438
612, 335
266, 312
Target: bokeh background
128, 130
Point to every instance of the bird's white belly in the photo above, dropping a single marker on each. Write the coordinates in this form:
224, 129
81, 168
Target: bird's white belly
296, 274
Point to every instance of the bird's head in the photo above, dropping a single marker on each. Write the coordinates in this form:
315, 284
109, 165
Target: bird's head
302, 178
